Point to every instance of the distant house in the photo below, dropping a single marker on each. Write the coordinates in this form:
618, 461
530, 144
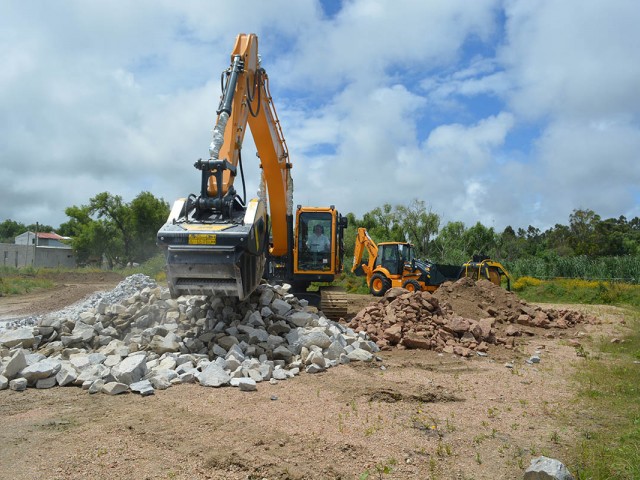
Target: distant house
41, 250
45, 239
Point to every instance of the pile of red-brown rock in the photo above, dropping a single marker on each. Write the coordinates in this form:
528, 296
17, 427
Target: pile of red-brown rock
461, 317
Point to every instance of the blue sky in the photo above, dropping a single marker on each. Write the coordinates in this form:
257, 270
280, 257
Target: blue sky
506, 112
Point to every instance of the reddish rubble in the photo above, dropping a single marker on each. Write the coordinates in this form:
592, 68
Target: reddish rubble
461, 317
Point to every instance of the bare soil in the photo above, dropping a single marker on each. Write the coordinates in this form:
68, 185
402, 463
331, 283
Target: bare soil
418, 413
70, 287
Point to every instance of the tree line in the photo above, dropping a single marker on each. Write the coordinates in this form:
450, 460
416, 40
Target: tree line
588, 246
119, 232
106, 229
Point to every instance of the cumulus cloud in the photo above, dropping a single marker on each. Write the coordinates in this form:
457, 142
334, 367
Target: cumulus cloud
568, 64
369, 39
119, 97
510, 112
572, 58
590, 166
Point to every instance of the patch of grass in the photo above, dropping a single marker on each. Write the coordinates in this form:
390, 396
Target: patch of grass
154, 268
478, 439
608, 379
12, 271
347, 280
380, 469
578, 291
610, 390
449, 425
19, 283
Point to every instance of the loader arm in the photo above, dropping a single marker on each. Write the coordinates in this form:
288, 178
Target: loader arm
364, 241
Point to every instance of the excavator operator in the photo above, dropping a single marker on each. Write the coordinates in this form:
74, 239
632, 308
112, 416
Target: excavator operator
318, 246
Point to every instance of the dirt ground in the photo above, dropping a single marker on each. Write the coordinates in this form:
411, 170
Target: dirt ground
69, 288
415, 414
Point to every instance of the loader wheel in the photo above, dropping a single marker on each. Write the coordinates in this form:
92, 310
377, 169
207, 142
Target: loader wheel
379, 284
412, 285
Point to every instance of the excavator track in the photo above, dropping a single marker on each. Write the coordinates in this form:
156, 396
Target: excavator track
333, 302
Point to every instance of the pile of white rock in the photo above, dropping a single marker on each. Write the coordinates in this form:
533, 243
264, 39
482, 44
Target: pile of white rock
149, 341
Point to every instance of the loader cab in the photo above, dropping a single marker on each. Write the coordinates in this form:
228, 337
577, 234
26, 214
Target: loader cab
394, 256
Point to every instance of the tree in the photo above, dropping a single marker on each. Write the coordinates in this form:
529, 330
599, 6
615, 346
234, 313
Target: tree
382, 224
582, 224
449, 247
119, 215
121, 232
98, 240
147, 215
609, 237
10, 229
78, 217
39, 227
418, 225
509, 245
479, 239
558, 240
350, 234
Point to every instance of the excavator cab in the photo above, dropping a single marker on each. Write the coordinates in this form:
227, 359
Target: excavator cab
318, 244
314, 242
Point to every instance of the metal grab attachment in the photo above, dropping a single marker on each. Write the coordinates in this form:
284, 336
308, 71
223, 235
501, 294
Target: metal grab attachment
220, 203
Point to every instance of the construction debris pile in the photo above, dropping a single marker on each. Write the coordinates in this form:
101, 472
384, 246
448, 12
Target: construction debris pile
148, 341
462, 317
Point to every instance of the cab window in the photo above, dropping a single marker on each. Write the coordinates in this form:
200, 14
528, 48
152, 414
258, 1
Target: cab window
314, 241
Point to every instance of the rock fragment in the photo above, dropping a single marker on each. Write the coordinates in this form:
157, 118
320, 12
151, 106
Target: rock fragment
16, 363
143, 387
544, 468
454, 318
20, 336
131, 369
18, 384
114, 388
214, 376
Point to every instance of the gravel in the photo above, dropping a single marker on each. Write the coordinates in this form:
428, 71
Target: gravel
123, 290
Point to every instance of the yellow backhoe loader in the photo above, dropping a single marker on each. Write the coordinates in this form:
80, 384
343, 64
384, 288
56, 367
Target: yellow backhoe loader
392, 264
217, 243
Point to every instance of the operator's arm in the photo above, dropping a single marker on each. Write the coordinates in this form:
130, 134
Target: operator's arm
326, 244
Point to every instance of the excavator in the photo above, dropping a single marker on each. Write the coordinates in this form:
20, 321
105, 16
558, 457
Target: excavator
217, 243
393, 264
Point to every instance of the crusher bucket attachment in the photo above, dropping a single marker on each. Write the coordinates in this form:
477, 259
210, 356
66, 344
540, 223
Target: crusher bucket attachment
214, 256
